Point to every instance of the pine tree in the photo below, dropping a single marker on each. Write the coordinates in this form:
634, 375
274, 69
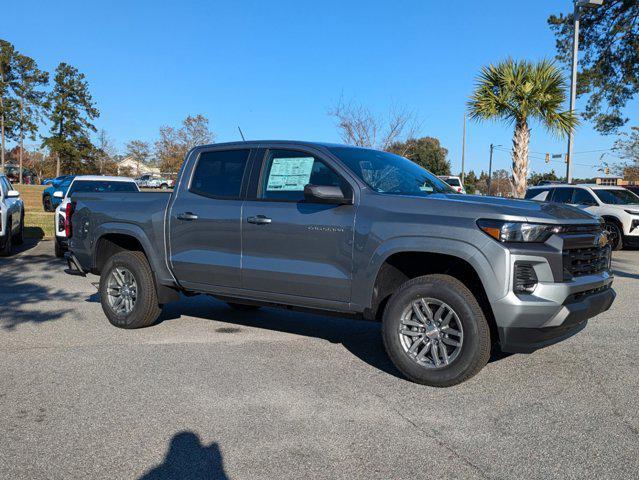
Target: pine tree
71, 113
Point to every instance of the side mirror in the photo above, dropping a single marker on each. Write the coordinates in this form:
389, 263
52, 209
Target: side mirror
13, 194
326, 194
58, 194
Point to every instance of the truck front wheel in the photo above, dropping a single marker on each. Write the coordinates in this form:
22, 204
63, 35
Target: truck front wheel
127, 291
435, 332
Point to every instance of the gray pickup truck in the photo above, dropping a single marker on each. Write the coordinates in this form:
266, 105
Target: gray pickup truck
353, 231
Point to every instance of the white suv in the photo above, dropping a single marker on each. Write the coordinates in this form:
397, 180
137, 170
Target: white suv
11, 217
618, 207
85, 183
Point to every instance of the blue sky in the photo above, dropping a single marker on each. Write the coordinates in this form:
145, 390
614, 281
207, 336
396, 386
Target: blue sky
275, 67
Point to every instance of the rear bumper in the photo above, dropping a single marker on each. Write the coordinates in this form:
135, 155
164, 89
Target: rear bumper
571, 318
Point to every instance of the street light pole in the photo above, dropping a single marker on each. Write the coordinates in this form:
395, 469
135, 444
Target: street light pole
490, 167
573, 76
463, 150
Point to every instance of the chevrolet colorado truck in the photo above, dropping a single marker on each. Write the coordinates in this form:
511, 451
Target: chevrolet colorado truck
352, 231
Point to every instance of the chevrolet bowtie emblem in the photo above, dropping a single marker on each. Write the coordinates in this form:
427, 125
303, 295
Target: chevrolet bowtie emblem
601, 240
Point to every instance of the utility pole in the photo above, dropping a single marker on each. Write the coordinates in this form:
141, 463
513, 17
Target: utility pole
573, 76
463, 150
490, 167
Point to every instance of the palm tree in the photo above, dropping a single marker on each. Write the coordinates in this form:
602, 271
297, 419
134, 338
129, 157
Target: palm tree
515, 92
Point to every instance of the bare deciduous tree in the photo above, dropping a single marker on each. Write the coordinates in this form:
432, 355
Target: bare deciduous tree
358, 125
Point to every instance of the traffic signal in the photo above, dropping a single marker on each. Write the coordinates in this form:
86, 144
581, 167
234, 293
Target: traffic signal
607, 171
547, 157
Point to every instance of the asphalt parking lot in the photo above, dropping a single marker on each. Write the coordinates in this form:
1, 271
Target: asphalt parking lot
214, 393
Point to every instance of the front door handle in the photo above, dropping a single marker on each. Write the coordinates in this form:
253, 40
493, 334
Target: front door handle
186, 216
259, 220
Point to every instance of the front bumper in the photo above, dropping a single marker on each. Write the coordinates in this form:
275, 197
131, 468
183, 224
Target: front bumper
571, 318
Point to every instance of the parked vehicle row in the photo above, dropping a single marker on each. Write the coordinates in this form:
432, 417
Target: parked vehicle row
350, 230
11, 216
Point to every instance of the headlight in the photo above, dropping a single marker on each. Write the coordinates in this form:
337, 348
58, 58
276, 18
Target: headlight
505, 231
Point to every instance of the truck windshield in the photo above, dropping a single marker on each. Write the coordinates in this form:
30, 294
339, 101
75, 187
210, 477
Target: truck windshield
617, 197
94, 186
389, 173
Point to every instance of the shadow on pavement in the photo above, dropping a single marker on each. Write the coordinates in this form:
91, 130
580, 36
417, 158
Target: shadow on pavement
188, 458
362, 338
22, 286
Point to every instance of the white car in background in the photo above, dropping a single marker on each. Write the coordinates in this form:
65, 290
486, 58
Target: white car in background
154, 181
11, 217
454, 182
85, 183
617, 206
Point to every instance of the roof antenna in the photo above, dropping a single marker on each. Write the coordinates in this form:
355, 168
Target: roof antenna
243, 139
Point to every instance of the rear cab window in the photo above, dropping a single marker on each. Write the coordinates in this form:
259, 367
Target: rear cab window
562, 195
538, 194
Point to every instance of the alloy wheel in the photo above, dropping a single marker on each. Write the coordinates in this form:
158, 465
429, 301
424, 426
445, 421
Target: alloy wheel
431, 333
122, 291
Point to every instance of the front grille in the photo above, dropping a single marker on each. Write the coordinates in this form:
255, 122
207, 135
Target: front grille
585, 261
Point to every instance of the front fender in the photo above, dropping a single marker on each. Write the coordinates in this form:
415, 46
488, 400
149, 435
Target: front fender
492, 273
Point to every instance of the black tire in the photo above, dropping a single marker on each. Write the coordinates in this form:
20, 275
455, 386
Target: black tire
18, 239
475, 349
243, 307
5, 250
59, 249
47, 204
615, 234
164, 186
146, 309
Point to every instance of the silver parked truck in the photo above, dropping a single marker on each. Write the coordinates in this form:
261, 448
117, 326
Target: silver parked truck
353, 231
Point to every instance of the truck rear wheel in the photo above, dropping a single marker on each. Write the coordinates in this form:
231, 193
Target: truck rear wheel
435, 332
127, 291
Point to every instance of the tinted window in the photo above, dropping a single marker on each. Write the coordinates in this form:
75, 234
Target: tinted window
583, 197
4, 186
101, 186
617, 197
562, 195
287, 172
219, 174
539, 194
388, 173
453, 182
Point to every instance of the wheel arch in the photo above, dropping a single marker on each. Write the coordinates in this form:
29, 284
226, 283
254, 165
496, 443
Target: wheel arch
116, 240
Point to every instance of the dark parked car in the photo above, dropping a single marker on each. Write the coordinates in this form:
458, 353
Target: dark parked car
355, 231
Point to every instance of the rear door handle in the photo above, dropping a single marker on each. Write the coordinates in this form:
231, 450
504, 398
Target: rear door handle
259, 220
186, 216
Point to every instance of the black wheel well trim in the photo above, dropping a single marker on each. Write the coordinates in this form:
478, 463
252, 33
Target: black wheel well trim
109, 244
400, 267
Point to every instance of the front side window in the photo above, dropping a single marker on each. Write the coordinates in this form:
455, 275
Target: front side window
101, 186
562, 195
4, 188
287, 172
617, 196
219, 174
389, 173
583, 197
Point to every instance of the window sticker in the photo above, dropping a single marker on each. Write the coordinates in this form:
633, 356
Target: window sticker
289, 174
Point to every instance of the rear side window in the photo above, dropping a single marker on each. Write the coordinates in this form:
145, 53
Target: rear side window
562, 195
4, 186
220, 173
101, 186
539, 194
583, 197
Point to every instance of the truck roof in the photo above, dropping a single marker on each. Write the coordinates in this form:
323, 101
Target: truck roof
255, 143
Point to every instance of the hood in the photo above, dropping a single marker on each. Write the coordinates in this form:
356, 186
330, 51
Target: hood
532, 211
